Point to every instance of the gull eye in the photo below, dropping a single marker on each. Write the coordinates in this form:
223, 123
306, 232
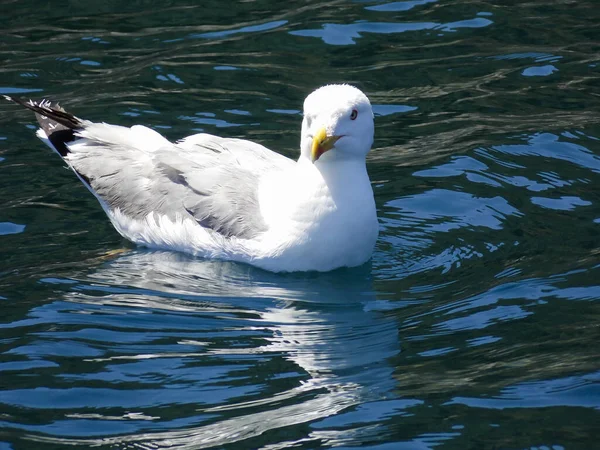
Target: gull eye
353, 114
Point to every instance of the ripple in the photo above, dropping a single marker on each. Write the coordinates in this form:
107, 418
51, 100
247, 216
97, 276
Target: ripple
170, 77
565, 203
14, 90
459, 208
549, 145
217, 123
249, 29
10, 228
346, 34
577, 391
90, 63
399, 6
369, 413
539, 71
386, 110
537, 56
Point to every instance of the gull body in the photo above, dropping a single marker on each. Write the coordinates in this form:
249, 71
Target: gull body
233, 199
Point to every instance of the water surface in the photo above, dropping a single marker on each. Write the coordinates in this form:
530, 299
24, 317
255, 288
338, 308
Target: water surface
474, 326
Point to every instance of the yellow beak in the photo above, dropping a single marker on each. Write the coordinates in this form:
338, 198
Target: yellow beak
322, 143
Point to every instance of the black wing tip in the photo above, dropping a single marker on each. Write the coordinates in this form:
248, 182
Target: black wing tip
25, 103
49, 110
58, 125
10, 98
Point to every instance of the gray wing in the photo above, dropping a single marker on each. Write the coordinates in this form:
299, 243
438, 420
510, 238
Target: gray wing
212, 180
137, 171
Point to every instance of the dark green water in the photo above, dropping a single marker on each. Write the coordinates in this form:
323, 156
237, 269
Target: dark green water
475, 326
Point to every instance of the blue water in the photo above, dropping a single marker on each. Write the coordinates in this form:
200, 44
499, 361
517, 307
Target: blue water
475, 325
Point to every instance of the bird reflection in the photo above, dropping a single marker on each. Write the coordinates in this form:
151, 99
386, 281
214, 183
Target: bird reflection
326, 325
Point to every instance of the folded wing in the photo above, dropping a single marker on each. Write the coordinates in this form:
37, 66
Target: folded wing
211, 180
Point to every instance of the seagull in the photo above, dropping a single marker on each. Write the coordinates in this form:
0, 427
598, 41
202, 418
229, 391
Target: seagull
233, 199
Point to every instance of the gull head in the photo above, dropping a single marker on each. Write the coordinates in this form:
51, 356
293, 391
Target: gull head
337, 125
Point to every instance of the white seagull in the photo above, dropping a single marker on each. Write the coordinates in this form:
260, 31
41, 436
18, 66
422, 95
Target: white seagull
233, 199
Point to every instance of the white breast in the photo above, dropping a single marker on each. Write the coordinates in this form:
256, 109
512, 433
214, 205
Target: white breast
317, 223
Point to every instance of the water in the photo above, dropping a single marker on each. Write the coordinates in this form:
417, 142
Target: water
474, 326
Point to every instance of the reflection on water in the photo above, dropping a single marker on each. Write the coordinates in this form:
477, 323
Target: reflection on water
162, 328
